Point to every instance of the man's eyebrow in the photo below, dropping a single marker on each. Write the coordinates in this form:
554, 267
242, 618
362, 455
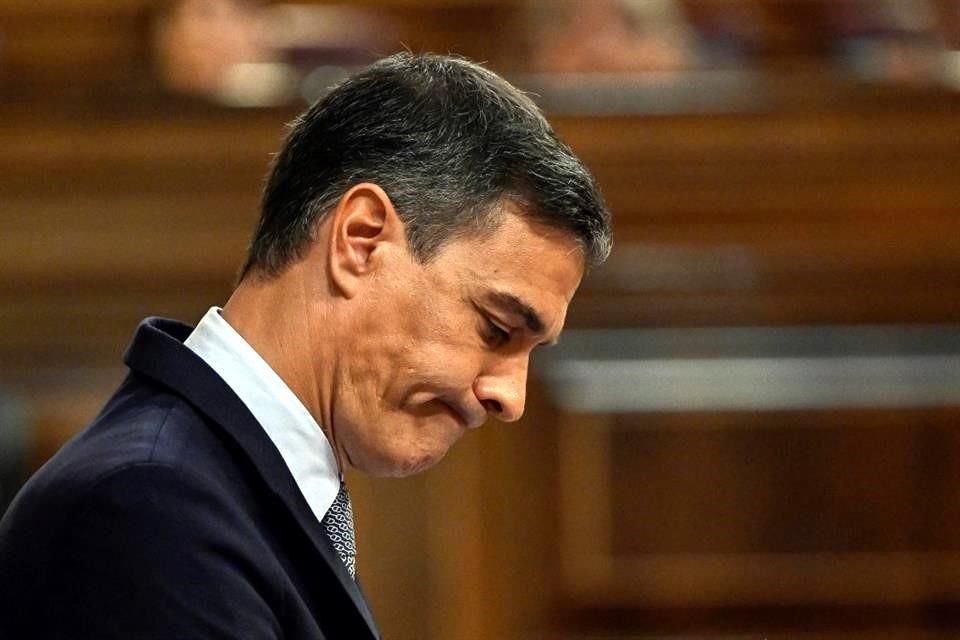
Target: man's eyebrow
515, 305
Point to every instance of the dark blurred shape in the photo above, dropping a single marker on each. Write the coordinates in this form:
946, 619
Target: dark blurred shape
14, 445
3, 65
888, 41
729, 34
949, 20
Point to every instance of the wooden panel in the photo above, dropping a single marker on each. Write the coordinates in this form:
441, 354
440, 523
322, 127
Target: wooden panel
788, 217
67, 327
394, 544
794, 483
801, 508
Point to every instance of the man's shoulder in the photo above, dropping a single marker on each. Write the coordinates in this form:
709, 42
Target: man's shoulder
118, 522
148, 461
142, 422
143, 426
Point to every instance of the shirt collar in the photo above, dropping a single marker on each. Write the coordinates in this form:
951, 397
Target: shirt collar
295, 433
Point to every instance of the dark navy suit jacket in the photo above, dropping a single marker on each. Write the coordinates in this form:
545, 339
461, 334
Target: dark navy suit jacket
171, 516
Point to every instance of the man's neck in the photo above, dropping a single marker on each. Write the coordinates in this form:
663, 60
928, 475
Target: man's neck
275, 316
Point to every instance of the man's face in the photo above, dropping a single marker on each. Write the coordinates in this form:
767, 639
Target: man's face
439, 347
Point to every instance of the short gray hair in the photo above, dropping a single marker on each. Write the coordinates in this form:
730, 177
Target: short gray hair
447, 140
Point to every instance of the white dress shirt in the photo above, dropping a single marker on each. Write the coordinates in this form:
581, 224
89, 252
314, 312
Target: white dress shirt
297, 436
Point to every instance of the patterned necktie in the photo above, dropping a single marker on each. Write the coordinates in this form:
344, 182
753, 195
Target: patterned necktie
338, 524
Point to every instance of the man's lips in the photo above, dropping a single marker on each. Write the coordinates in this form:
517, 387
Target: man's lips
467, 415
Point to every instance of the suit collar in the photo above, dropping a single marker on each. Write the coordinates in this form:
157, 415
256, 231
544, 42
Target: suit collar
286, 421
157, 351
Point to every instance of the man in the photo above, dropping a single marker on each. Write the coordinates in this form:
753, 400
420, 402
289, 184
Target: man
422, 231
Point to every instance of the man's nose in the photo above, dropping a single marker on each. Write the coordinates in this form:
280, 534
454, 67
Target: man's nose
503, 391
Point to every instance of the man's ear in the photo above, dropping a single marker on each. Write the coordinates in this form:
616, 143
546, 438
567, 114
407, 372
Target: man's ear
362, 225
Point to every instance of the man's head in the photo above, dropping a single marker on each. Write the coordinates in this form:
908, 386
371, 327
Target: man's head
447, 140
423, 229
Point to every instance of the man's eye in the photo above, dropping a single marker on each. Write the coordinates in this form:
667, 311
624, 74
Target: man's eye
495, 334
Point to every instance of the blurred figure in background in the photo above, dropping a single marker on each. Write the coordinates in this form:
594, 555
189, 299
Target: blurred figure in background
617, 36
198, 42
250, 54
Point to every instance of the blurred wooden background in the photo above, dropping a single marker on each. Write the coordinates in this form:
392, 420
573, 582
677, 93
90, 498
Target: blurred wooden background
830, 202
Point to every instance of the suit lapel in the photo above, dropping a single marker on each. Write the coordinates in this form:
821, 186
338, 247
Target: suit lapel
158, 352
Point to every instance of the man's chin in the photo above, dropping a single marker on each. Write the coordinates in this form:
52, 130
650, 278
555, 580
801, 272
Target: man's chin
398, 464
418, 464
398, 457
